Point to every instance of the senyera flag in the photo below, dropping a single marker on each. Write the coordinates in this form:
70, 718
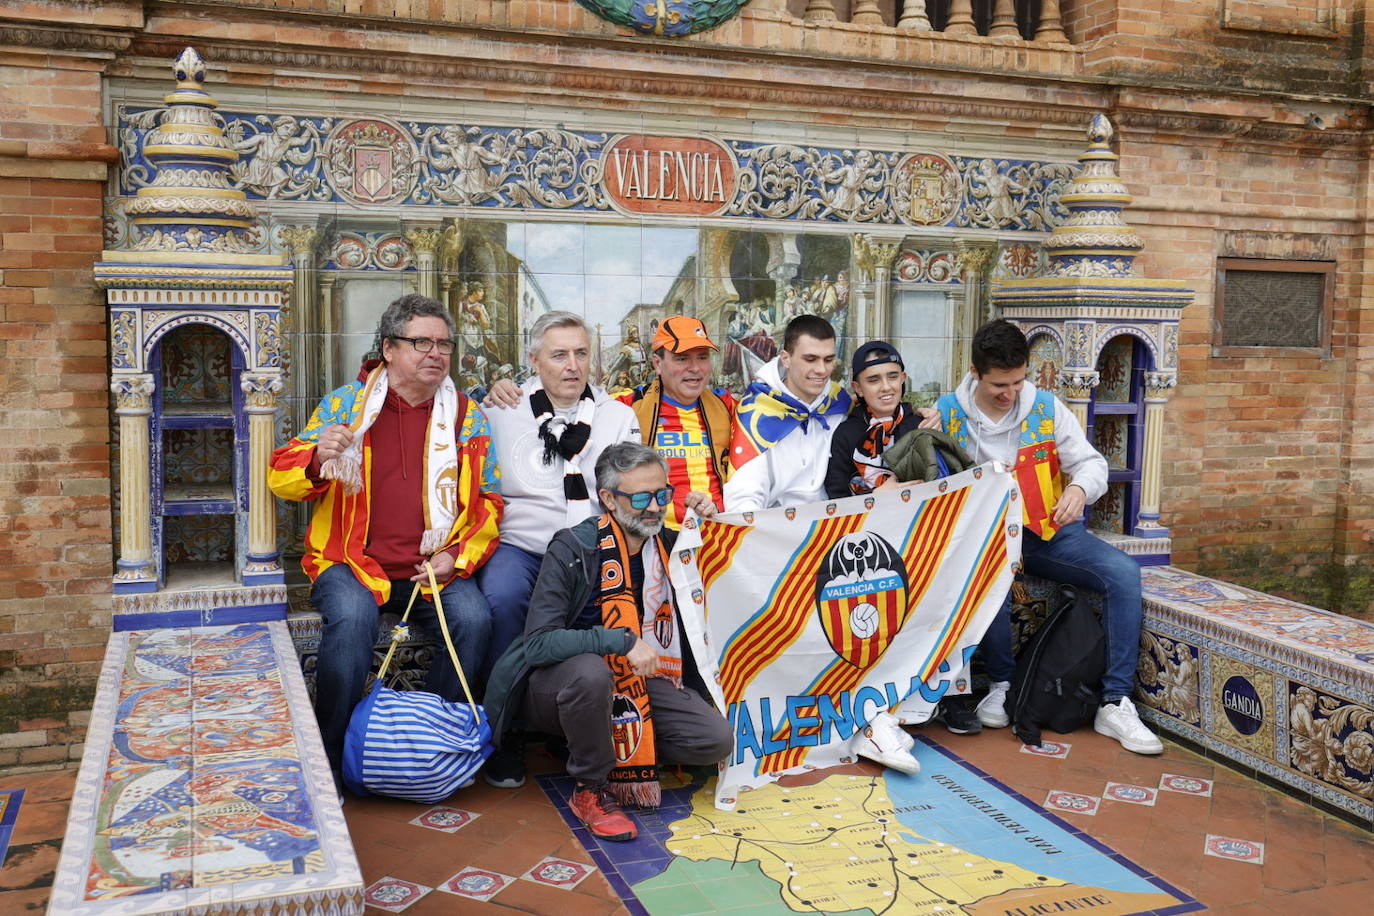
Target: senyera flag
809, 620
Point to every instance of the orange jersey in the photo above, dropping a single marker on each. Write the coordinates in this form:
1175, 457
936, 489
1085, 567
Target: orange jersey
681, 439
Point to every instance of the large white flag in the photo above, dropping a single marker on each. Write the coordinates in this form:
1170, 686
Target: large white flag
808, 621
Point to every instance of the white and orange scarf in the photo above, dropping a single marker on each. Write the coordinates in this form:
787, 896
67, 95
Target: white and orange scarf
441, 454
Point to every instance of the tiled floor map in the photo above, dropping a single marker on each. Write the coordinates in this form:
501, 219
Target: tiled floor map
949, 840
197, 788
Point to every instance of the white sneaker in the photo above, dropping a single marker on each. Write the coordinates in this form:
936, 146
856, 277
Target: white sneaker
992, 709
1119, 720
884, 741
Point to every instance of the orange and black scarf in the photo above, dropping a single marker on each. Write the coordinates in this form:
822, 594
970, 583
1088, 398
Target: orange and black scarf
634, 780
869, 470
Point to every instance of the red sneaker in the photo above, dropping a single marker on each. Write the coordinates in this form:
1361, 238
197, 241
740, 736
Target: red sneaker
602, 815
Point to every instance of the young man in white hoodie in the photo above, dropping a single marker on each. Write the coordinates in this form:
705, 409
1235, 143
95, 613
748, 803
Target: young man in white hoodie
783, 425
996, 414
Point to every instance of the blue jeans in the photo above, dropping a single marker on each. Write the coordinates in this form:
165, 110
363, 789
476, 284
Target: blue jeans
507, 581
350, 629
1075, 557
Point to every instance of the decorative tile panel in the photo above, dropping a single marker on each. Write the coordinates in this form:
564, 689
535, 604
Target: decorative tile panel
204, 786
1168, 677
372, 159
1241, 704
1114, 368
1046, 361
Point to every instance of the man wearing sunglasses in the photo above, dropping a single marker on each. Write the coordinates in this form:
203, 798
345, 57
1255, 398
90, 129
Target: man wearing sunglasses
398, 464
603, 659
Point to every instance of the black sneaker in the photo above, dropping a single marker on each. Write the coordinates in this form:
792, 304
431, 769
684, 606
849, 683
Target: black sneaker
505, 768
960, 715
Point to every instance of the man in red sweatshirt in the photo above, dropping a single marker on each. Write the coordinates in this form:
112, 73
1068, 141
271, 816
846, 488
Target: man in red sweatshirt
398, 465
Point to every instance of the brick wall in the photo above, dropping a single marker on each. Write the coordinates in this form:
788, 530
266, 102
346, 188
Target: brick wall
1295, 46
55, 539
1266, 457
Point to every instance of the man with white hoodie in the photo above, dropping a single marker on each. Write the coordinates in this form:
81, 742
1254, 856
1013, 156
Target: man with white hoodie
781, 454
546, 445
781, 447
996, 414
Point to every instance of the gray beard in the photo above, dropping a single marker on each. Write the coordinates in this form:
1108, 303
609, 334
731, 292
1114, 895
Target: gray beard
633, 524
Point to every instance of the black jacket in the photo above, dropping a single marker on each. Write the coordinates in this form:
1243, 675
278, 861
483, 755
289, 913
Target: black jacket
570, 569
848, 435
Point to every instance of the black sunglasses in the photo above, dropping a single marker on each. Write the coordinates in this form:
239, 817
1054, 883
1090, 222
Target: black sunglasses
640, 501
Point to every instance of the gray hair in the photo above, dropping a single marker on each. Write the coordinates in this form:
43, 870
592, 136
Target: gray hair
550, 320
398, 314
616, 459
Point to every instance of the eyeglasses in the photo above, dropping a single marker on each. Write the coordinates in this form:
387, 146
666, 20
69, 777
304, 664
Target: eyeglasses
640, 501
425, 344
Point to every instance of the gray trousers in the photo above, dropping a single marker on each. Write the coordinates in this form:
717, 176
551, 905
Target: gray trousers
573, 698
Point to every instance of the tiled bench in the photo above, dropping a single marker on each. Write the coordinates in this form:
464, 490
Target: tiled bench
204, 788
1275, 687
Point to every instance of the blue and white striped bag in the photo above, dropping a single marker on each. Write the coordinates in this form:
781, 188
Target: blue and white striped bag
414, 745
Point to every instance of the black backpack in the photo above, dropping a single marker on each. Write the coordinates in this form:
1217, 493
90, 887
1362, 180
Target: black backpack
1058, 681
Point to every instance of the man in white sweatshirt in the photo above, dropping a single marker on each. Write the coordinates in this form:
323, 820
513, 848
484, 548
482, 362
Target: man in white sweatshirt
996, 414
546, 445
783, 425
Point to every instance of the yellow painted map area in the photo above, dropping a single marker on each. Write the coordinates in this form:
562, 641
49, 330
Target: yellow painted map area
837, 846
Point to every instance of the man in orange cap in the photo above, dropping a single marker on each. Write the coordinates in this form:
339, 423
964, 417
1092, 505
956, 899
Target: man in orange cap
682, 417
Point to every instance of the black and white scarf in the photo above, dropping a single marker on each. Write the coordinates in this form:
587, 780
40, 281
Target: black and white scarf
567, 442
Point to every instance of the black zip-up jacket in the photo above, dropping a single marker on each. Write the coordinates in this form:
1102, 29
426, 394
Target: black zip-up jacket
848, 435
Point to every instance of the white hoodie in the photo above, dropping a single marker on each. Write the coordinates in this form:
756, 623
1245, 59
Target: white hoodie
791, 472
999, 440
535, 507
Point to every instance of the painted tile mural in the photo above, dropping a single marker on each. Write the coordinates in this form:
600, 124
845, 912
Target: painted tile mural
1169, 677
1114, 368
1046, 360
1331, 739
374, 159
205, 782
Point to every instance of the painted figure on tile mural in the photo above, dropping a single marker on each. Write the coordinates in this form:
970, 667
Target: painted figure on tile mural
792, 303
736, 328
632, 357
603, 659
471, 180
1312, 744
759, 338
475, 324
264, 172
400, 470
851, 178
997, 188
997, 415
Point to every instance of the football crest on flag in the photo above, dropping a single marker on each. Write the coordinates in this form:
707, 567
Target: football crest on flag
626, 726
861, 597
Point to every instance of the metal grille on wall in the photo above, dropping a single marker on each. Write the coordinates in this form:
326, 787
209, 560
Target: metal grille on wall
1270, 308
